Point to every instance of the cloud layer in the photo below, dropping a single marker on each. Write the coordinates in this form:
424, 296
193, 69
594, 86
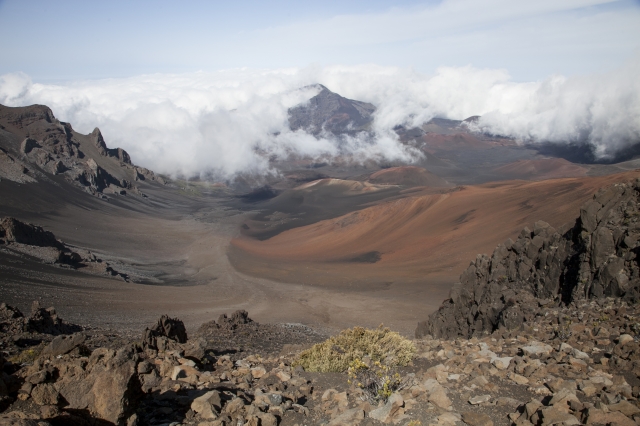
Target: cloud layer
232, 121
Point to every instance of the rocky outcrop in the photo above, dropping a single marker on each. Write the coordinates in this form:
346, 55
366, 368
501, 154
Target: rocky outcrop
596, 258
328, 111
27, 145
236, 319
41, 320
35, 241
165, 331
50, 146
118, 153
15, 231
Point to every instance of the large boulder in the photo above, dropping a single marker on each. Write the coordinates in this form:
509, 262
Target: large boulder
107, 387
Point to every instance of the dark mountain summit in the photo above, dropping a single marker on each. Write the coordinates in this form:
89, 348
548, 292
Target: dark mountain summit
328, 111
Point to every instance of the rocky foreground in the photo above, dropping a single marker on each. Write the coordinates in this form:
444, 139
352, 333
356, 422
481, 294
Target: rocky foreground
545, 332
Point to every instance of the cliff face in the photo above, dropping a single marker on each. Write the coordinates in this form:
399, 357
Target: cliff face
34, 146
596, 258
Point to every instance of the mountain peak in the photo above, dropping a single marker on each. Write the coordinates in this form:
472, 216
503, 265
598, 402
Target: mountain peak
331, 112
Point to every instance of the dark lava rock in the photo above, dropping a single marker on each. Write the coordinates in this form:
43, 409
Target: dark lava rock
64, 344
13, 230
328, 111
596, 258
47, 321
118, 153
169, 328
237, 318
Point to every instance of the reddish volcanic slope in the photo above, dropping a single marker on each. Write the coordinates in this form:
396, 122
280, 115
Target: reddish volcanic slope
540, 169
407, 176
415, 239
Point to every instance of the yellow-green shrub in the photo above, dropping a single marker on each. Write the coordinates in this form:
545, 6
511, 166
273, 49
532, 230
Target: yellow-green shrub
27, 356
336, 353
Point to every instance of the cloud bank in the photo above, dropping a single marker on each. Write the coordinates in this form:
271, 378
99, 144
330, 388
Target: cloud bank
233, 121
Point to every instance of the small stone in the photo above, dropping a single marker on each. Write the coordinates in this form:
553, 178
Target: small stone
505, 401
577, 363
183, 372
437, 394
553, 416
349, 417
536, 349
204, 406
531, 408
476, 419
625, 407
274, 399
258, 372
449, 419
564, 347
188, 362
595, 416
49, 411
562, 399
285, 377
501, 363
391, 411
579, 354
624, 339
267, 419
517, 378
480, 399
234, 407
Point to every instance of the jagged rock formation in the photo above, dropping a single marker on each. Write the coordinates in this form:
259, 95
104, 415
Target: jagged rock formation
598, 257
117, 153
328, 111
41, 320
165, 330
51, 147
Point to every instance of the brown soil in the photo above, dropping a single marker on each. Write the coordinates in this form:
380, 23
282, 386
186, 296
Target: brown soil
541, 169
406, 253
407, 176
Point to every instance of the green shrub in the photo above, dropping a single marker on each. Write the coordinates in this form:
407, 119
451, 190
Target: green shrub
27, 356
338, 352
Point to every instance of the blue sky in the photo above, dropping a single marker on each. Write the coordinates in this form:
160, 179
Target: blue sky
69, 40
159, 78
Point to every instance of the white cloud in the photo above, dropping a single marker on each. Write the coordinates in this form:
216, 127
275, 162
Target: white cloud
231, 121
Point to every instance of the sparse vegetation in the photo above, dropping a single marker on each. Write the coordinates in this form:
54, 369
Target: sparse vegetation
337, 353
377, 381
26, 357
